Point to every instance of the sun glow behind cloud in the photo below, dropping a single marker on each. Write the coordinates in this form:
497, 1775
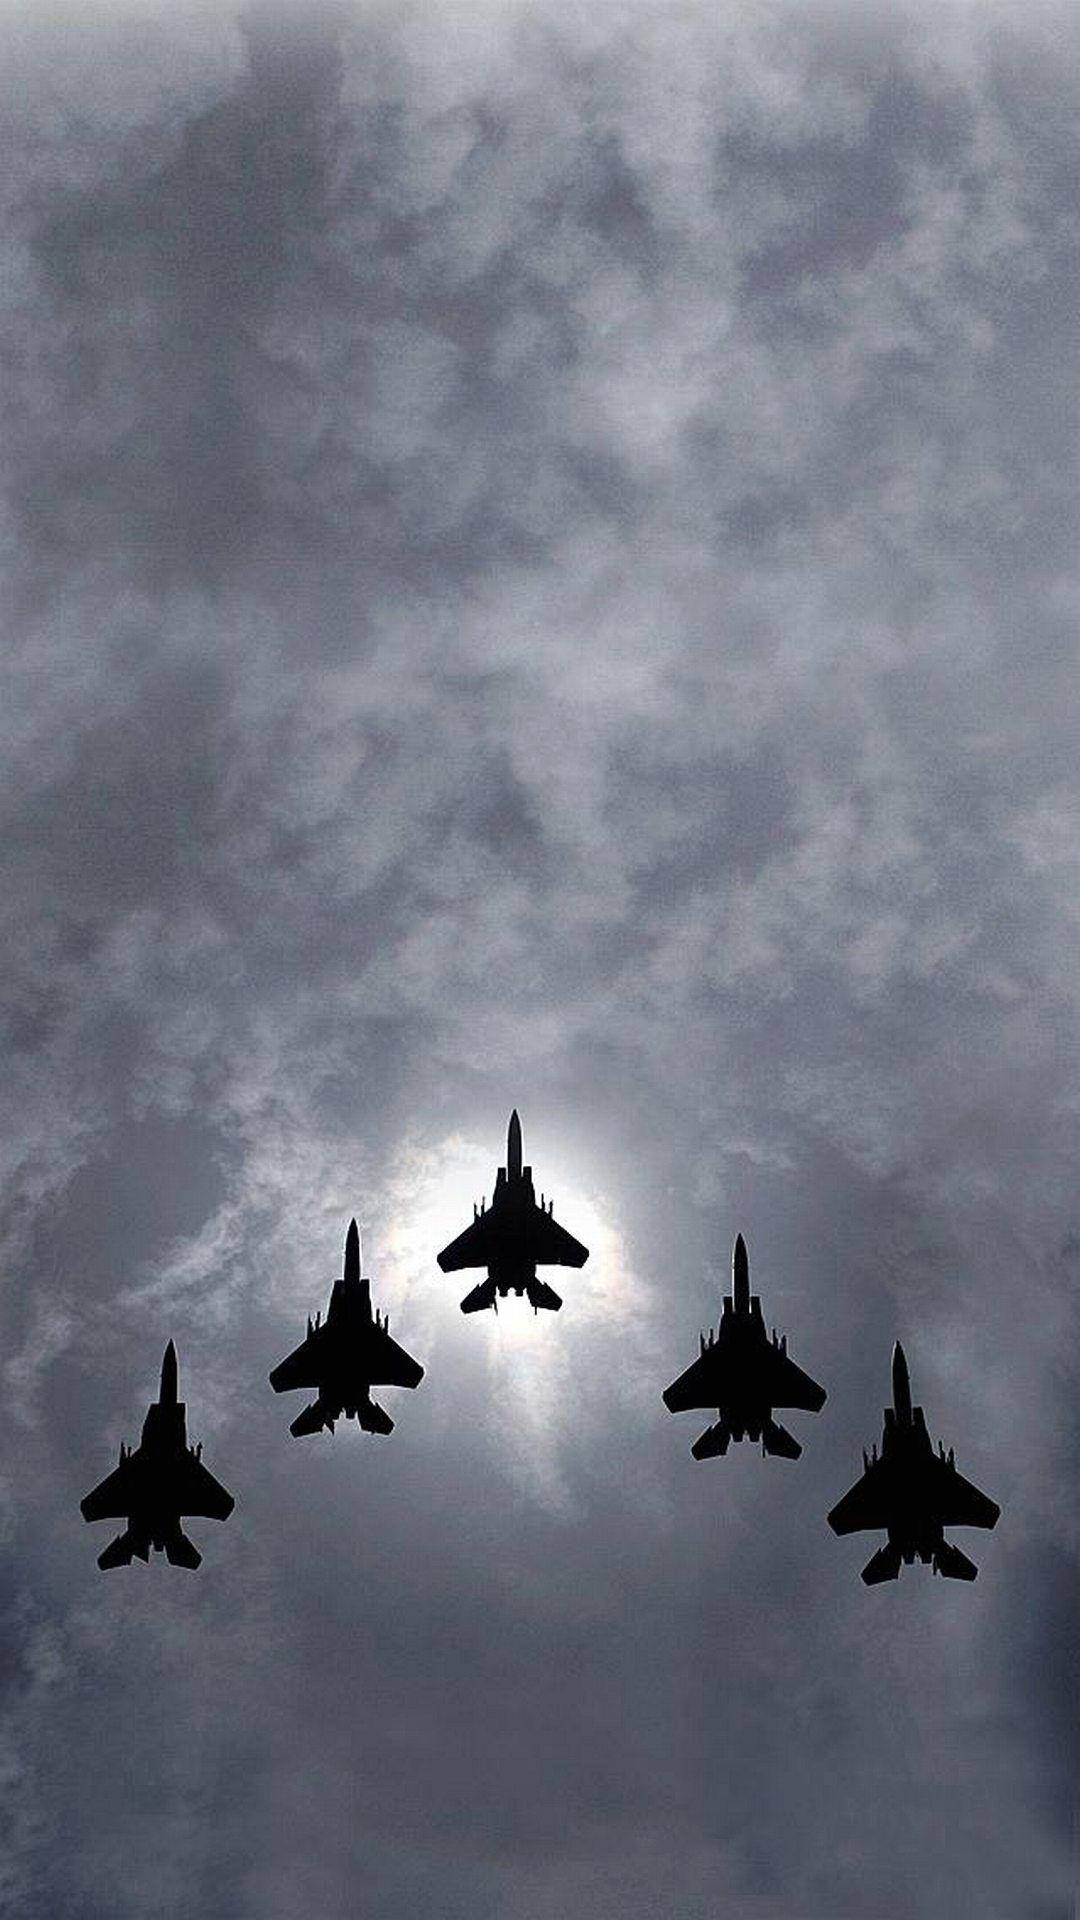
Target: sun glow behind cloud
430, 1194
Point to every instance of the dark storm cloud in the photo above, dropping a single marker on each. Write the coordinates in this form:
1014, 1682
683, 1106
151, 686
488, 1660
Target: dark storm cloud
542, 562
159, 286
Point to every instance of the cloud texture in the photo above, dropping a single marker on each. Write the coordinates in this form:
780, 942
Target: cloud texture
540, 569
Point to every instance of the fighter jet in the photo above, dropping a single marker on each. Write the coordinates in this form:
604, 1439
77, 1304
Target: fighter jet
913, 1492
155, 1486
512, 1237
345, 1355
744, 1375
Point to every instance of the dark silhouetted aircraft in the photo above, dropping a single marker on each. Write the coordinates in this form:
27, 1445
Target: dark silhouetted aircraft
346, 1355
744, 1375
913, 1492
155, 1486
513, 1237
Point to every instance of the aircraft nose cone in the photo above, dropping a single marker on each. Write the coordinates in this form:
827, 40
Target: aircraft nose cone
740, 1276
167, 1395
901, 1383
352, 1252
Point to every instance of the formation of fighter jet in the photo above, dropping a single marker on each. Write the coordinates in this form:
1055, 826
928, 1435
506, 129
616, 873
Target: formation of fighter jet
913, 1492
158, 1485
909, 1490
744, 1374
513, 1237
345, 1355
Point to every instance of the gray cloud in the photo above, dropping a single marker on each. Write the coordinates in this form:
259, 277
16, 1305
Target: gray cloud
541, 566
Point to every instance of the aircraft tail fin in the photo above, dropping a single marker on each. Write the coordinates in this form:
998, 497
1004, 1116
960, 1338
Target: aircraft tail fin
481, 1296
713, 1442
182, 1552
375, 1419
885, 1565
777, 1439
953, 1564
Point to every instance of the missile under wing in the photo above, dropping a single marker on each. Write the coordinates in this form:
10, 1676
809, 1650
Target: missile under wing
913, 1493
744, 1374
345, 1355
513, 1237
157, 1485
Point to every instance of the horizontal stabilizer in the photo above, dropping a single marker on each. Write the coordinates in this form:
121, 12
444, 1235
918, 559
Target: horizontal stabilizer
182, 1552
953, 1564
713, 1442
117, 1554
541, 1295
777, 1439
481, 1296
312, 1420
375, 1419
885, 1565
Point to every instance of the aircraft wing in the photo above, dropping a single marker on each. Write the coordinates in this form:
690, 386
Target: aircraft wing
476, 1247
699, 1386
551, 1246
115, 1497
789, 1386
388, 1365
198, 1493
958, 1503
868, 1504
305, 1366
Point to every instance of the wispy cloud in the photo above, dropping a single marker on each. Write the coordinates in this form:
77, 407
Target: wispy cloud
540, 560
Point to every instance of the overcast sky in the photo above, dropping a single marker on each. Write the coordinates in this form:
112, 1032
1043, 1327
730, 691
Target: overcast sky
540, 568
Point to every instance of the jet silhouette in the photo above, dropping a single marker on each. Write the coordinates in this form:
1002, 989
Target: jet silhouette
512, 1237
155, 1486
346, 1355
913, 1492
744, 1375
